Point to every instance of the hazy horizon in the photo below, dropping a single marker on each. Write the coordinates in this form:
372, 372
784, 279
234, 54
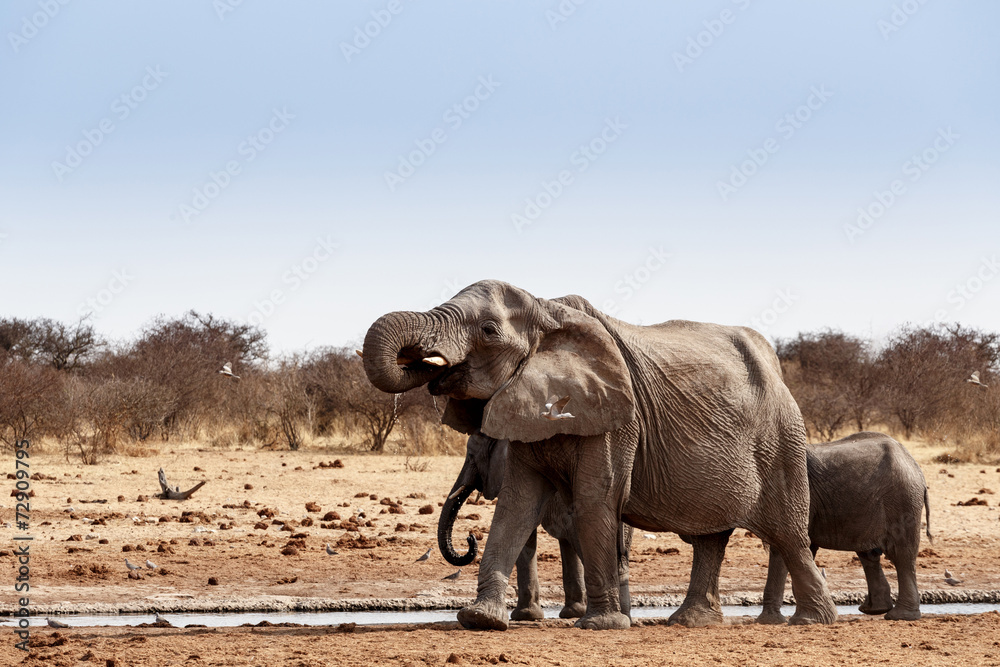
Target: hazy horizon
280, 165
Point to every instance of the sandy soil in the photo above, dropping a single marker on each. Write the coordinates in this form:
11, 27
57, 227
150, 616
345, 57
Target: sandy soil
230, 551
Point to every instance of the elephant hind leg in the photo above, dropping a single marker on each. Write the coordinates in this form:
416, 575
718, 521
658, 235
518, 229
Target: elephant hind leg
908, 601
573, 585
528, 607
702, 606
879, 597
813, 603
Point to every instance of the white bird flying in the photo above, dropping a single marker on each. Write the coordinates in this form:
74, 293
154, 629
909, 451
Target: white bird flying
227, 369
974, 379
554, 409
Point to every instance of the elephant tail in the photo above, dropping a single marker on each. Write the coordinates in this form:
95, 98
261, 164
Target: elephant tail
927, 511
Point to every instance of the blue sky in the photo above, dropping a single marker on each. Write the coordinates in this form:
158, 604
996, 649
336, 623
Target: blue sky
271, 162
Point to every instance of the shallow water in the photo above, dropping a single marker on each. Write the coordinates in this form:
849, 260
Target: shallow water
382, 617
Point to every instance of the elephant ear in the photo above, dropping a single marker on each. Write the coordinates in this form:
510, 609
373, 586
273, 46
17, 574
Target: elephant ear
577, 358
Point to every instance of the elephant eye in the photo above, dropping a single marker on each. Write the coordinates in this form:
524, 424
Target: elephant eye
490, 329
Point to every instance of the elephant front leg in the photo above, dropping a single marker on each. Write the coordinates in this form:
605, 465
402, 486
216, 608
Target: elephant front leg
515, 519
879, 597
702, 604
575, 604
528, 607
598, 529
774, 590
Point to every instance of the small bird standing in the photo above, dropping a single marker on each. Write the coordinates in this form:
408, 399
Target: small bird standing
132, 566
974, 379
427, 554
55, 624
454, 576
950, 579
160, 619
150, 564
329, 551
554, 409
948, 574
227, 369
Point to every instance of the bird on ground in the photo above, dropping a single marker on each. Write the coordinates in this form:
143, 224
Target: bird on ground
329, 551
554, 409
427, 554
150, 564
948, 574
952, 582
454, 576
227, 370
56, 624
132, 566
160, 619
649, 536
974, 379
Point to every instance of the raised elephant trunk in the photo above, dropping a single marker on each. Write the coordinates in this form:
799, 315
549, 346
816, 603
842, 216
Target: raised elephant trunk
394, 352
459, 493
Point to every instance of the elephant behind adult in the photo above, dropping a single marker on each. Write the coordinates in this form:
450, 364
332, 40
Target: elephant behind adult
682, 427
866, 495
484, 469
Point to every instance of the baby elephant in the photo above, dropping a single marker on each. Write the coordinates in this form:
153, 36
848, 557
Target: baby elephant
484, 469
867, 495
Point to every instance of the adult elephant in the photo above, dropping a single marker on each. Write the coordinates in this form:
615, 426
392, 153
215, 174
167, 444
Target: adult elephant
484, 470
681, 427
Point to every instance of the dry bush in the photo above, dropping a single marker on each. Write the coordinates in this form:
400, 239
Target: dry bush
28, 398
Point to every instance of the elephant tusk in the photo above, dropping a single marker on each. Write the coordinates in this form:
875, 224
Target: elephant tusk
360, 353
457, 491
435, 361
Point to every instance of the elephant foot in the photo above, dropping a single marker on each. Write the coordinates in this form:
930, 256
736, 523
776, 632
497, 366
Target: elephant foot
575, 610
771, 617
532, 613
875, 608
825, 613
481, 616
901, 614
613, 620
696, 617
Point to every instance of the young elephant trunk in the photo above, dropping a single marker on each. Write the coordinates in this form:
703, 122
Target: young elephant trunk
459, 493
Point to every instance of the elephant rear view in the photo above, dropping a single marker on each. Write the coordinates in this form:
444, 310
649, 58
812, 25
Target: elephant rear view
867, 495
